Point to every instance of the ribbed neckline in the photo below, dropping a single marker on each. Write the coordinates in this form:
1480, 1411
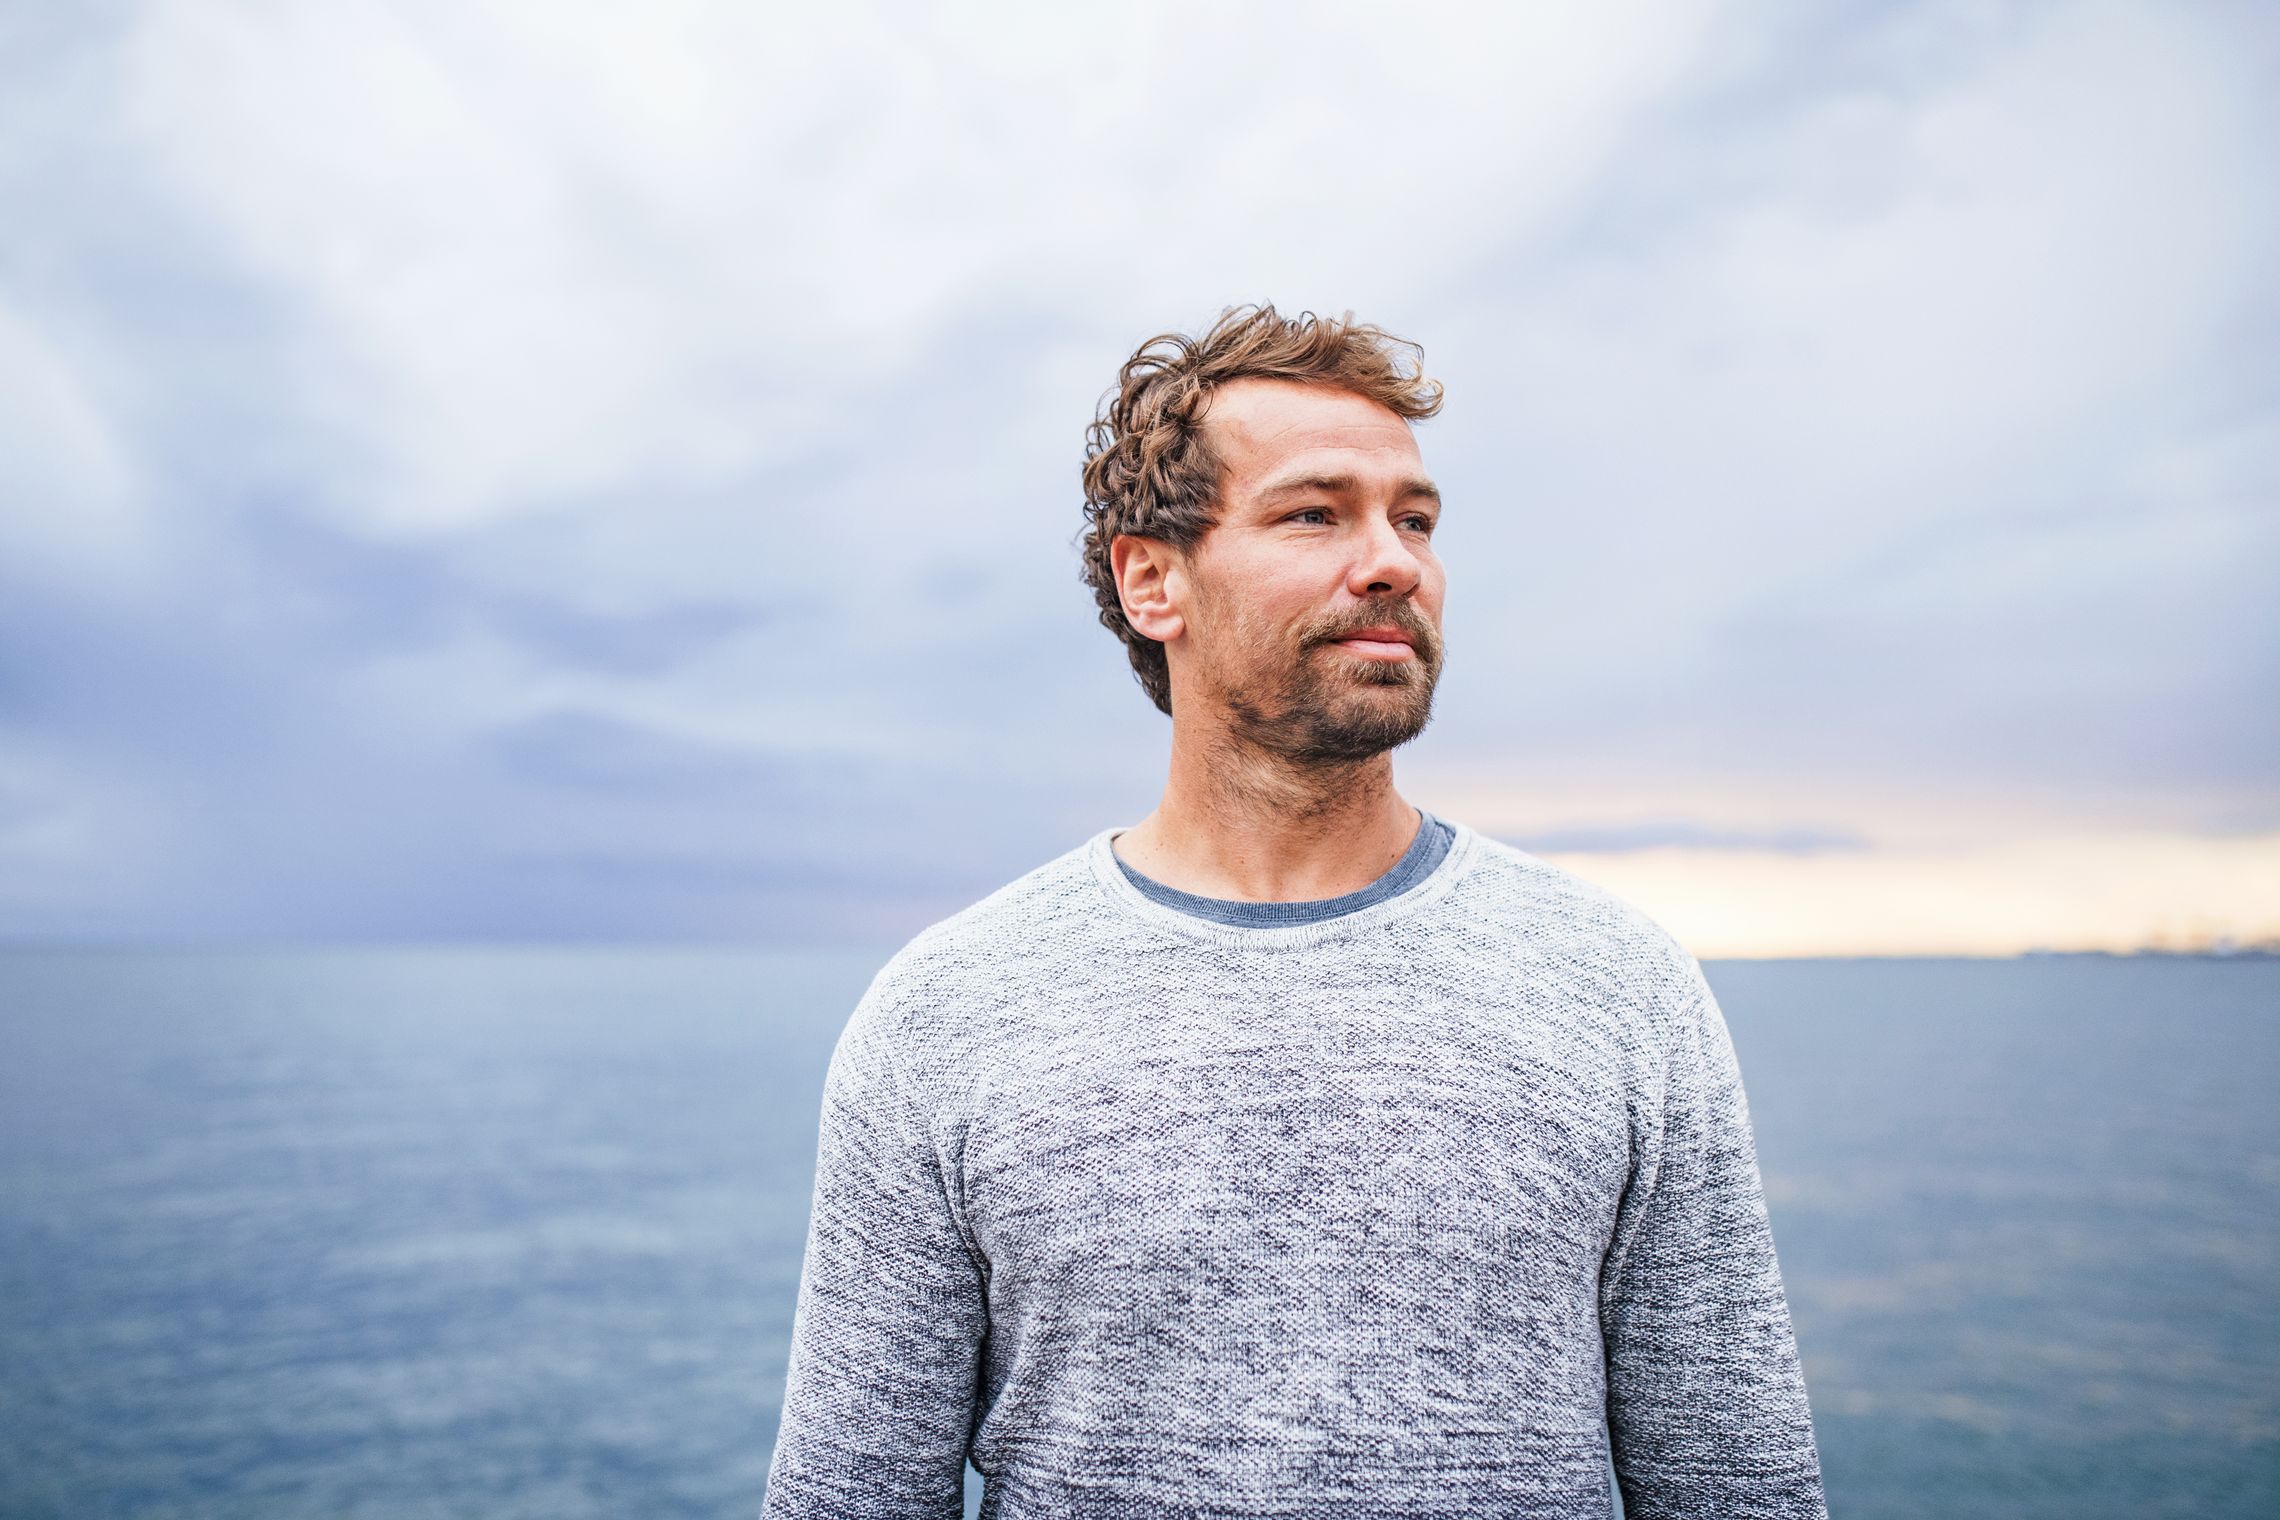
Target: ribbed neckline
1137, 904
1432, 840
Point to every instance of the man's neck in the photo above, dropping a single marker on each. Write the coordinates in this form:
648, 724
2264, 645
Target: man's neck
1239, 824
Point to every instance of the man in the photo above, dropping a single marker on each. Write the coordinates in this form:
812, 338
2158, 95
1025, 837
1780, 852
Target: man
1292, 1152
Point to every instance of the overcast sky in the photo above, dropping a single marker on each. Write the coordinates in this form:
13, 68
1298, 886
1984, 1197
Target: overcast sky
555, 470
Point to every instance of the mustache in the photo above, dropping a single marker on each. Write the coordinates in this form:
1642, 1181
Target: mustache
1376, 615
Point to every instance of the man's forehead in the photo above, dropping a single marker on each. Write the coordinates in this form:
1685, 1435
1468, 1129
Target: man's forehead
1277, 436
1268, 426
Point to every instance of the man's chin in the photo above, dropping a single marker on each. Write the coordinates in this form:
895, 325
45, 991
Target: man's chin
1362, 732
1351, 709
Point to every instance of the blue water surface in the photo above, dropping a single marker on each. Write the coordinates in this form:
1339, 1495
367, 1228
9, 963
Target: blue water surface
509, 1233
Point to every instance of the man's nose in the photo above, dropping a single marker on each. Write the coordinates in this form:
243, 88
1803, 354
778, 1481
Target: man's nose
1385, 564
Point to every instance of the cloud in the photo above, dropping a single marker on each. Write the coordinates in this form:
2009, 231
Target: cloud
1892, 418
555, 250
567, 470
66, 489
1624, 838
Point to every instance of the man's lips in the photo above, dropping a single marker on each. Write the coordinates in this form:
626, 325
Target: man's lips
1378, 643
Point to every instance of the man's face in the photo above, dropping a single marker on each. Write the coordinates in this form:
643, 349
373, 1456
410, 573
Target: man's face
1313, 604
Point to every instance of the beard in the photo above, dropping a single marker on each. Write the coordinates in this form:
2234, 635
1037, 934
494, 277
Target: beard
1329, 707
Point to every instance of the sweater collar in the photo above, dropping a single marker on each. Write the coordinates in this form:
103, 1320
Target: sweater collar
1132, 902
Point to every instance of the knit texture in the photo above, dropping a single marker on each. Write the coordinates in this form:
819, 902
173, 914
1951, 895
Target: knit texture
1417, 1211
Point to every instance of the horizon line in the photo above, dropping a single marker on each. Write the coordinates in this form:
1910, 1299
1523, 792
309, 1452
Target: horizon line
14, 944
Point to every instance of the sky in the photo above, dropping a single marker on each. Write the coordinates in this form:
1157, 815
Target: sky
564, 471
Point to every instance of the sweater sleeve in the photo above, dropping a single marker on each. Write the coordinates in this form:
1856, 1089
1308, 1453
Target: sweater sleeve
1706, 1410
887, 1329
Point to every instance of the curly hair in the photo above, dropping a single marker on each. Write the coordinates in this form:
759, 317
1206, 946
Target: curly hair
1150, 470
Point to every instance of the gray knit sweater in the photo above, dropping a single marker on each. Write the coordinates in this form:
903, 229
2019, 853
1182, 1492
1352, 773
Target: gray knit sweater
1418, 1211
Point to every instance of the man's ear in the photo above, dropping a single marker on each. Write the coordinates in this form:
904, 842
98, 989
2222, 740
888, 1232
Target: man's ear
1152, 583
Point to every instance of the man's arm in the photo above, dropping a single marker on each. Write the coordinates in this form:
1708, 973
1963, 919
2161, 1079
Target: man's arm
1706, 1411
888, 1328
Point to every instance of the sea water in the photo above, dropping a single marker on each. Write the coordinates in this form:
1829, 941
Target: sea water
516, 1233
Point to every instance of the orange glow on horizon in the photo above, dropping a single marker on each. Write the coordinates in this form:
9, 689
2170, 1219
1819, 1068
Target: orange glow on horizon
2114, 892
1982, 880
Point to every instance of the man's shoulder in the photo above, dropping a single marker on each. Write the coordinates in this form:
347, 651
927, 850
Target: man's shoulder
1059, 895
1002, 940
1573, 902
1581, 927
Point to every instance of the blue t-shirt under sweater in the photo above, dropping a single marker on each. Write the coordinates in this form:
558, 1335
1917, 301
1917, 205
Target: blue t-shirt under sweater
1425, 852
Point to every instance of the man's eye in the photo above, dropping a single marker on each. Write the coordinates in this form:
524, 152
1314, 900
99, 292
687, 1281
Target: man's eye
1320, 513
1422, 523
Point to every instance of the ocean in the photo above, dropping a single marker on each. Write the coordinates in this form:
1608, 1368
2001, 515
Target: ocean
508, 1233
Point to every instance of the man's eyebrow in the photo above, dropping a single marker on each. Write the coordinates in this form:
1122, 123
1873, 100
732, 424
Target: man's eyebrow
1344, 485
